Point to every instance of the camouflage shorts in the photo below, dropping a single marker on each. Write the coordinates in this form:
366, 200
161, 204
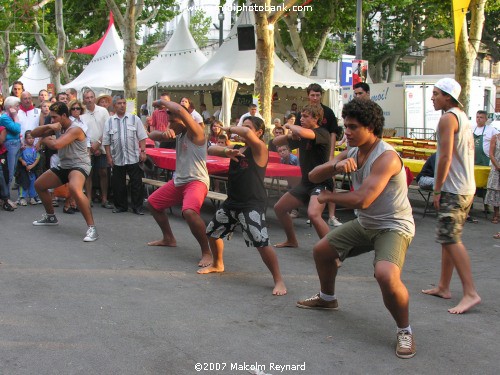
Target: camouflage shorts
453, 210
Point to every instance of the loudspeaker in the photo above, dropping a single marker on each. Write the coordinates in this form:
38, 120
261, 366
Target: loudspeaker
246, 37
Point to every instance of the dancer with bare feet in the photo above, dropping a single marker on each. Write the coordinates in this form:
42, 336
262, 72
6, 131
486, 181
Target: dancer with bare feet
384, 222
454, 188
246, 201
190, 185
313, 142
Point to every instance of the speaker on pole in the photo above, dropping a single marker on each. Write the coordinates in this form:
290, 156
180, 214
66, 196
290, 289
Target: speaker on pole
246, 37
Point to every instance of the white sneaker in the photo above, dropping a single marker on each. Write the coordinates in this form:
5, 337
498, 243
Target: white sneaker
23, 202
33, 201
91, 235
334, 222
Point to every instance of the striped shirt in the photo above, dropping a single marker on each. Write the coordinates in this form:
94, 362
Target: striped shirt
159, 120
123, 136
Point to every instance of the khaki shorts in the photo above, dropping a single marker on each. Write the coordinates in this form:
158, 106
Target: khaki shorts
351, 239
453, 211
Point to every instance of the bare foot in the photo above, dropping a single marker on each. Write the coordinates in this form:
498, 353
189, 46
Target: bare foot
211, 269
206, 260
163, 243
286, 244
465, 304
279, 289
437, 293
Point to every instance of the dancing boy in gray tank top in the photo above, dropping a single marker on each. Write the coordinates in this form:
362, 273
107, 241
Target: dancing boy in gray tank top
454, 187
385, 221
73, 168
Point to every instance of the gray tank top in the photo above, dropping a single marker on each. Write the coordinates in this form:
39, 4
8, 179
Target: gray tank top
191, 162
391, 209
75, 155
460, 179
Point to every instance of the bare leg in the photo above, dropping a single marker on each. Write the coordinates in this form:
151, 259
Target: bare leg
270, 259
103, 180
287, 203
325, 259
460, 258
88, 186
197, 226
76, 183
315, 211
443, 288
217, 247
162, 221
394, 292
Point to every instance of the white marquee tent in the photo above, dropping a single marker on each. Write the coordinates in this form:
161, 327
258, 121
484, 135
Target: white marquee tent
105, 70
37, 76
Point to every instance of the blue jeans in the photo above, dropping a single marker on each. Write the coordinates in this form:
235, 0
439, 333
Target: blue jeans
13, 147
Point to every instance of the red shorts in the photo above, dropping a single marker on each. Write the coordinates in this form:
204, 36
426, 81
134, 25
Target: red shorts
191, 195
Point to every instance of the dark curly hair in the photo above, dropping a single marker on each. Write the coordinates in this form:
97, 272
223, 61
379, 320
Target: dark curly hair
60, 108
367, 112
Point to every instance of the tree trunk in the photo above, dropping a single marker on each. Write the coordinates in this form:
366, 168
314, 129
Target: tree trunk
265, 61
4, 67
466, 53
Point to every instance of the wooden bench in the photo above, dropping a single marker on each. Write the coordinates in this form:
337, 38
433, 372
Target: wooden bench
215, 198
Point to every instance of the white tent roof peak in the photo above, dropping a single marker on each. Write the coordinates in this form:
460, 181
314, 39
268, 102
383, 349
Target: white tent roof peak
179, 59
37, 76
106, 67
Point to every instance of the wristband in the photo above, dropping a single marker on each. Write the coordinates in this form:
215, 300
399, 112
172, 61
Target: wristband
437, 193
335, 167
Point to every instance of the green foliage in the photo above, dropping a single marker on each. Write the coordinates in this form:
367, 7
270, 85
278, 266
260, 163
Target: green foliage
149, 49
491, 29
199, 27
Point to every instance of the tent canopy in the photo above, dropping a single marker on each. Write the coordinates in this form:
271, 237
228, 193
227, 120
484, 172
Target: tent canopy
37, 76
179, 59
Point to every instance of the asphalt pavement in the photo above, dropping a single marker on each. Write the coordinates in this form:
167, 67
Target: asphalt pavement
117, 306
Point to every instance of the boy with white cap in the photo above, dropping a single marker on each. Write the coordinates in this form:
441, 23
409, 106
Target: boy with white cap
454, 188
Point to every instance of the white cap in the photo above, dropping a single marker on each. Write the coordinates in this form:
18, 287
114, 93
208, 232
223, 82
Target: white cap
451, 87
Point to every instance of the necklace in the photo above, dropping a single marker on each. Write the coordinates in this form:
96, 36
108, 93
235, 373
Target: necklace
360, 163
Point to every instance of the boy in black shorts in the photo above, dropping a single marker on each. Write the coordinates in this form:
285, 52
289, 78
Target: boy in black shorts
313, 143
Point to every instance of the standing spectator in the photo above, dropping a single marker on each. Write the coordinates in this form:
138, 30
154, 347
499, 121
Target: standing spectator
106, 101
252, 111
95, 117
17, 89
329, 122
73, 168
493, 194
190, 184
43, 95
454, 188
189, 105
292, 110
26, 171
362, 90
62, 97
277, 132
124, 139
29, 116
1, 104
204, 113
12, 142
159, 121
4, 172
72, 94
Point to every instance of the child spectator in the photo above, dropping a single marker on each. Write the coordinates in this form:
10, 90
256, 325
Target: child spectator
223, 140
215, 131
286, 156
26, 175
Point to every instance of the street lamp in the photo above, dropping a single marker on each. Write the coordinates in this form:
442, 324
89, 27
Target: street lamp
221, 26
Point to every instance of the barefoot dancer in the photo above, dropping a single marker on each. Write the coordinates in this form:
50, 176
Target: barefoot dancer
313, 142
454, 188
191, 181
246, 200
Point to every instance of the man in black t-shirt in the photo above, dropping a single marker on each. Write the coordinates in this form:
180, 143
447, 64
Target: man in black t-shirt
329, 122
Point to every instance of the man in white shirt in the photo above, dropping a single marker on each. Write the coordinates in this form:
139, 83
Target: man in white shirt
252, 111
204, 112
28, 115
95, 117
124, 139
